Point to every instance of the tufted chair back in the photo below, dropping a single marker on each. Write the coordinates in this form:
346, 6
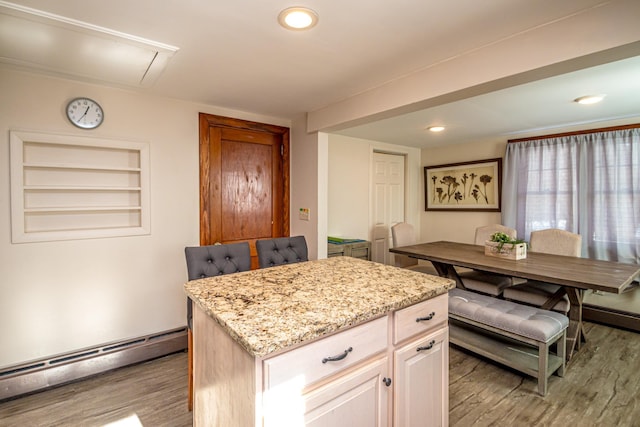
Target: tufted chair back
281, 250
215, 260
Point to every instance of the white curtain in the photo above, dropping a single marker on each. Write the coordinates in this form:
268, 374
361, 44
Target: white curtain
587, 184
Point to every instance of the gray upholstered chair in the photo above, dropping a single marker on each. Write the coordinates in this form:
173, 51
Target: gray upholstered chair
216, 260
402, 234
209, 261
551, 241
281, 250
483, 282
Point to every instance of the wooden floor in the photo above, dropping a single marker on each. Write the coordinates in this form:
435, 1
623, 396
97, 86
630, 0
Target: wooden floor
149, 394
601, 388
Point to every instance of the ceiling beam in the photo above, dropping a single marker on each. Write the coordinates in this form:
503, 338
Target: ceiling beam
605, 33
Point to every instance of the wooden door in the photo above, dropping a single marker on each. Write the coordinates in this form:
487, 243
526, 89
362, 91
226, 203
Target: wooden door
244, 181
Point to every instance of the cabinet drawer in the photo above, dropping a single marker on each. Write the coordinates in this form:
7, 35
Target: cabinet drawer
304, 365
420, 317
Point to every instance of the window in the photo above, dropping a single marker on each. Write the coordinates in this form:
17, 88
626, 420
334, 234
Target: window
69, 187
586, 183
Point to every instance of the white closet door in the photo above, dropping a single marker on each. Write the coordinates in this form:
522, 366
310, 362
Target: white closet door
387, 202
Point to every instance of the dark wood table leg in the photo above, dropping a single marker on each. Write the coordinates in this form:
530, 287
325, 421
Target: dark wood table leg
448, 271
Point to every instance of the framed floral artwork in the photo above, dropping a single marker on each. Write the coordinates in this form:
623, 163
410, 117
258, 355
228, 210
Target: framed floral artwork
467, 186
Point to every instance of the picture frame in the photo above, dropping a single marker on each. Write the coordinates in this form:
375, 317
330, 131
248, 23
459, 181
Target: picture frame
467, 186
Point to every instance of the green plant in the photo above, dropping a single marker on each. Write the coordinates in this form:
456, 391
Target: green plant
503, 238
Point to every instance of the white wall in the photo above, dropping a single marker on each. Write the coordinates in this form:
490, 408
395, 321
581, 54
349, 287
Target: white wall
458, 226
349, 176
61, 296
308, 187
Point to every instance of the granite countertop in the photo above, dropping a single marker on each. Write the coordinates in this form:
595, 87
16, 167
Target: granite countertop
270, 309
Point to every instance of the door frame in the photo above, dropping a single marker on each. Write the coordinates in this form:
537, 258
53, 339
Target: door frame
207, 121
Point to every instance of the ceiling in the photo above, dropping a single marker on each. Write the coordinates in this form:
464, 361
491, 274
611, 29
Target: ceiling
235, 55
538, 108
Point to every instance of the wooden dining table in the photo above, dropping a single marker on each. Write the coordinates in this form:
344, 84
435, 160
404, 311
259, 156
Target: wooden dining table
573, 274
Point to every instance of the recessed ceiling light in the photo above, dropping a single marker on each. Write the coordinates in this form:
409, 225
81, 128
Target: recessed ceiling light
589, 99
435, 128
298, 18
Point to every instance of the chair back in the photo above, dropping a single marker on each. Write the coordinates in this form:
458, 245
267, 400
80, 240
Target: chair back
484, 233
215, 260
402, 234
281, 250
557, 242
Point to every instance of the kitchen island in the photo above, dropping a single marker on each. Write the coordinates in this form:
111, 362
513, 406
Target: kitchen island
338, 341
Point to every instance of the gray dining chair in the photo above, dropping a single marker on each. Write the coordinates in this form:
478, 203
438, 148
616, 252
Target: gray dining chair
402, 234
481, 281
551, 241
209, 261
281, 250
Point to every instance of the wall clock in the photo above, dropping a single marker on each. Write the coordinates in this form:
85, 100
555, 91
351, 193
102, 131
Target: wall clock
85, 113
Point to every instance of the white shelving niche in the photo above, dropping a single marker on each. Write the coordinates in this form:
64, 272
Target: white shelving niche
67, 187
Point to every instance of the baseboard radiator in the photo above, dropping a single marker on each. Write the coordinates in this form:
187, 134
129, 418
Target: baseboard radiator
64, 368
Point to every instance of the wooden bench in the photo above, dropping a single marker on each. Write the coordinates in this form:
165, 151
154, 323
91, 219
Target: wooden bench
509, 333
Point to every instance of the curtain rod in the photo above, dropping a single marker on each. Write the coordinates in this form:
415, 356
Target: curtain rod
579, 132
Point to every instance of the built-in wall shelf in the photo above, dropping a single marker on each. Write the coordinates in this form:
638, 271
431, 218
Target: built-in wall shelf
67, 187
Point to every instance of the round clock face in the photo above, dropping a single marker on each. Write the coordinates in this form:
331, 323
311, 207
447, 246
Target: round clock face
85, 113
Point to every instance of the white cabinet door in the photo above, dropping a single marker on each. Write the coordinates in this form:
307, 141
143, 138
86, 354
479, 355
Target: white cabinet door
359, 399
422, 382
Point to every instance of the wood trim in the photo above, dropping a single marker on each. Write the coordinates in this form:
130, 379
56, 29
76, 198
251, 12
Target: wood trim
207, 121
285, 182
205, 226
579, 132
619, 319
232, 123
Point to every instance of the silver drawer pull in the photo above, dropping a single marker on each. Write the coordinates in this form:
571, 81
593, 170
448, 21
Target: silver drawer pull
429, 317
338, 357
427, 347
